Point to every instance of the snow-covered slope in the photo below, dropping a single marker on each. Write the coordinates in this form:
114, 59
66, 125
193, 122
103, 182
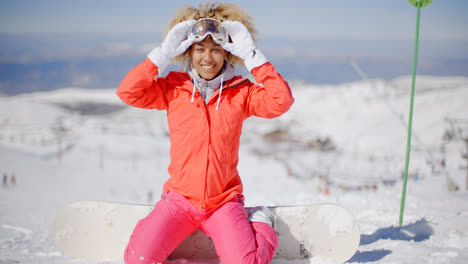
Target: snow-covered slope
344, 144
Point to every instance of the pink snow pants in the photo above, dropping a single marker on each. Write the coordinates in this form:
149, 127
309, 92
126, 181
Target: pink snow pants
174, 218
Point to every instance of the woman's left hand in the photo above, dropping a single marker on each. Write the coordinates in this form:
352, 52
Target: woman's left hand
242, 44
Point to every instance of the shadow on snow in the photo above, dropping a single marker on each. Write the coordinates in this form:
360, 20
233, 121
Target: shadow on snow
416, 232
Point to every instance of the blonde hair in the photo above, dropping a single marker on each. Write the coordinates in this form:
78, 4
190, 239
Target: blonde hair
218, 11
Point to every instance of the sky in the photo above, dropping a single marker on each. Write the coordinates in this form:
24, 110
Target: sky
306, 18
443, 20
293, 33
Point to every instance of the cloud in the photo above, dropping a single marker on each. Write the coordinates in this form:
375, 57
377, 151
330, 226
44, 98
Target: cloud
36, 48
84, 80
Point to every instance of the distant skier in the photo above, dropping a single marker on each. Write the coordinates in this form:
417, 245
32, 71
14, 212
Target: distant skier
13, 179
5, 180
206, 105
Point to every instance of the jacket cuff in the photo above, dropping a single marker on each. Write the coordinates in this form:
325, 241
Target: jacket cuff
256, 59
159, 59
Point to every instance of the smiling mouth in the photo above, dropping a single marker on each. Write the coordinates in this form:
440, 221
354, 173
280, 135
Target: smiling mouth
207, 67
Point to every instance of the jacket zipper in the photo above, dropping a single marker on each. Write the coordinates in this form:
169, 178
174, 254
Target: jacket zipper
203, 205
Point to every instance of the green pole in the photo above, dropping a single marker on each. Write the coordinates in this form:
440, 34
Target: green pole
418, 4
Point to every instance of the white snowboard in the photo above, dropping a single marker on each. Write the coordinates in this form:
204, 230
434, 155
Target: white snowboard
97, 230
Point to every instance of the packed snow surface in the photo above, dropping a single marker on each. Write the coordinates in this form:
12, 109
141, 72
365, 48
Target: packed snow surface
342, 144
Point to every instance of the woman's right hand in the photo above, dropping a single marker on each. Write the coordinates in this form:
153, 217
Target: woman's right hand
175, 43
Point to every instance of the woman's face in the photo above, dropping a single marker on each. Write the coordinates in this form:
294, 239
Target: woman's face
208, 58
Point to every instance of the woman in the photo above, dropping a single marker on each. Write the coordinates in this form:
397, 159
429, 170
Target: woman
206, 105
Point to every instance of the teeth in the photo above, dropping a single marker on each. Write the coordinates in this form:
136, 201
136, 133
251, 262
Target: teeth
208, 67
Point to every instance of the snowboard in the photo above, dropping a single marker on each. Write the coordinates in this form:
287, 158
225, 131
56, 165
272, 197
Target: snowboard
97, 230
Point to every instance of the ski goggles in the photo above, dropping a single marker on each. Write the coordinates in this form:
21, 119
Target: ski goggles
208, 26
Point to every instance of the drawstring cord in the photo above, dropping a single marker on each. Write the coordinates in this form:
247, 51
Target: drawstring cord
220, 91
219, 96
193, 92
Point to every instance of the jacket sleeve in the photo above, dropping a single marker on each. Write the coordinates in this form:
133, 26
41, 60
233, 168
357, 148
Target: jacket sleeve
141, 89
272, 99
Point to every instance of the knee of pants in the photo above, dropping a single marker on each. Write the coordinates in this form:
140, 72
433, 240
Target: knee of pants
236, 239
158, 234
141, 250
266, 241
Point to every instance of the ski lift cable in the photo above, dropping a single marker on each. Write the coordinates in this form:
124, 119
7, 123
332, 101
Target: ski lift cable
392, 109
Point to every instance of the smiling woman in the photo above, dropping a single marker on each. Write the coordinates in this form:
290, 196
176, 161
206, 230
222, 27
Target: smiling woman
206, 105
207, 58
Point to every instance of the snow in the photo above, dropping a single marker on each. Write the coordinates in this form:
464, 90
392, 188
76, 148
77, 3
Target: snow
341, 144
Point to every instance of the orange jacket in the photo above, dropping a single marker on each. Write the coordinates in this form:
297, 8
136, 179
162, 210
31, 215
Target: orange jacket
205, 141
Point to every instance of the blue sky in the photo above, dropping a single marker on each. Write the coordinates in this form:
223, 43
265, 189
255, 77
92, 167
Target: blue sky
443, 20
360, 18
90, 43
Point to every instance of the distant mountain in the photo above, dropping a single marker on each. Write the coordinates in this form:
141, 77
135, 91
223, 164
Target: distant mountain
49, 62
16, 78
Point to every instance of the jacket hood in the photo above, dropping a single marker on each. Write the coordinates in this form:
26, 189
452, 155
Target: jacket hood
208, 88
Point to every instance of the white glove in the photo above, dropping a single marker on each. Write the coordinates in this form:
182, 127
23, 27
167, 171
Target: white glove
175, 43
242, 45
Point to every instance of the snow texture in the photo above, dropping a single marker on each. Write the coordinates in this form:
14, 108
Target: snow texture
341, 144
